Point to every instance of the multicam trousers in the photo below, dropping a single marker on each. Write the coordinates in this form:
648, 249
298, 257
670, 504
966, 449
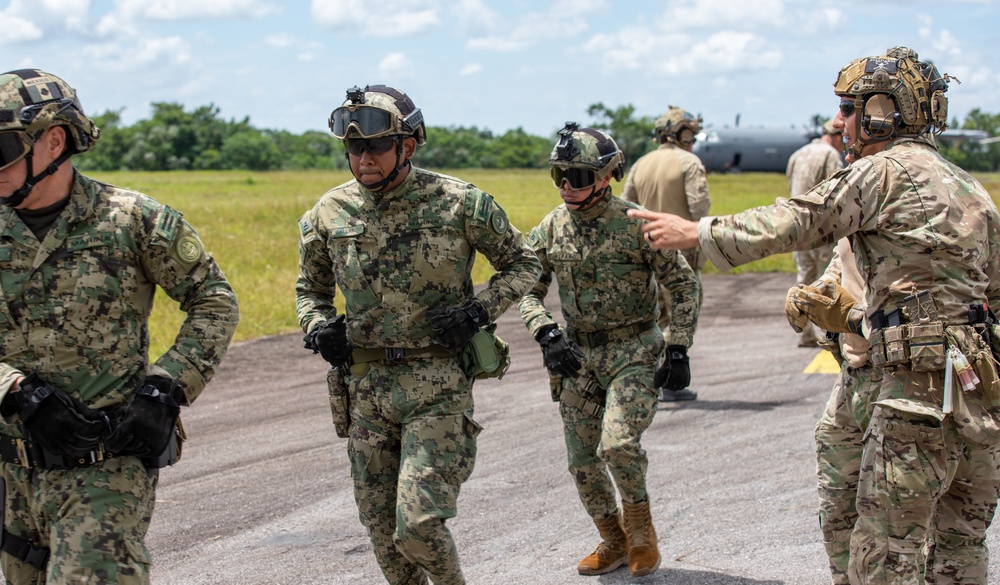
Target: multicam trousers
412, 445
597, 445
839, 441
93, 519
925, 476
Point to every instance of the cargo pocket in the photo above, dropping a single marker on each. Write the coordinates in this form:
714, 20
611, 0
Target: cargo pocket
912, 455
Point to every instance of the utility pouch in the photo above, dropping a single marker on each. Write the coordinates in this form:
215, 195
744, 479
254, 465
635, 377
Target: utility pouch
894, 339
927, 347
172, 454
876, 353
486, 355
555, 387
340, 403
831, 343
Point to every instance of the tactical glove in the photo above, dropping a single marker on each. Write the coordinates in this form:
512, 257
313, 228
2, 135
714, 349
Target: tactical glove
796, 318
678, 369
454, 327
58, 422
827, 305
145, 426
562, 356
329, 339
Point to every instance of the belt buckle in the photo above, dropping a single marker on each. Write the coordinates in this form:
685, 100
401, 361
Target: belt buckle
394, 355
22, 453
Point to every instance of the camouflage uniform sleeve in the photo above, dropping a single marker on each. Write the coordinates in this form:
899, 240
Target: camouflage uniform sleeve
628, 191
834, 270
993, 265
506, 249
833, 164
532, 305
315, 287
176, 260
696, 188
673, 272
843, 204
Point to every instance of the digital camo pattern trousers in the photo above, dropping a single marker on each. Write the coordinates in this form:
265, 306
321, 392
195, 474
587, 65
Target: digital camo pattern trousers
93, 518
412, 444
921, 479
839, 441
607, 448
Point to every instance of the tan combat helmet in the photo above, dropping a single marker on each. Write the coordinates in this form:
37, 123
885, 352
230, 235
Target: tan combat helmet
895, 94
31, 102
677, 126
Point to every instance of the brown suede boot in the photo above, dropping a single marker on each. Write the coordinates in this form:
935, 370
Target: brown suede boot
611, 553
643, 556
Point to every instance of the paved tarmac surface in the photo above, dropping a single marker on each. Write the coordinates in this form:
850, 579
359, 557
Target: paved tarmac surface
263, 494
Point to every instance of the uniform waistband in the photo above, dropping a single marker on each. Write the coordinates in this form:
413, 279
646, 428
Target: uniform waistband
394, 355
27, 453
594, 338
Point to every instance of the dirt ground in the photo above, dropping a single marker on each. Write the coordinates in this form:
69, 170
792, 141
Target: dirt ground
263, 493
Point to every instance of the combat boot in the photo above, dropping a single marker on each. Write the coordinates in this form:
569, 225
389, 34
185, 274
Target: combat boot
643, 555
611, 553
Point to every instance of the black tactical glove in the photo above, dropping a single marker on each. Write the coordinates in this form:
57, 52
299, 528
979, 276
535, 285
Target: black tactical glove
675, 373
329, 339
562, 356
145, 426
454, 327
58, 422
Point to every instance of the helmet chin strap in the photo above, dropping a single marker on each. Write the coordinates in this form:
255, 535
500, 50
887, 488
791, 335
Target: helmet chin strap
18, 197
594, 195
380, 186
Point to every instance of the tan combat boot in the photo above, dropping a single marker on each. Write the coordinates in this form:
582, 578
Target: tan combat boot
643, 556
611, 553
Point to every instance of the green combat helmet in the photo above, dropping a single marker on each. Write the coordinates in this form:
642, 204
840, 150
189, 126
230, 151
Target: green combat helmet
677, 126
896, 95
31, 102
583, 157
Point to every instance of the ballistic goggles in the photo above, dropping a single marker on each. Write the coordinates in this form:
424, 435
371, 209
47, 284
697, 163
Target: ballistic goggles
373, 146
371, 122
13, 147
576, 177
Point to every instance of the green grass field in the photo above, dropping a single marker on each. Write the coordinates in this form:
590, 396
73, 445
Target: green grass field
248, 222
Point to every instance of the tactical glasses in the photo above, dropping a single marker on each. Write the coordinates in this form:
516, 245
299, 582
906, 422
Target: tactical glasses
372, 146
369, 121
13, 147
577, 178
846, 107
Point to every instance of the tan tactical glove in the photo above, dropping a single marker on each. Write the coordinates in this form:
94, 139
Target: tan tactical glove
827, 305
796, 318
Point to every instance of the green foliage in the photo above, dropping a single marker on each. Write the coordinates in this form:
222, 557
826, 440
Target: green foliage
634, 136
463, 148
974, 156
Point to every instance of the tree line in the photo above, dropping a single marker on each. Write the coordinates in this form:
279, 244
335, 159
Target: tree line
176, 139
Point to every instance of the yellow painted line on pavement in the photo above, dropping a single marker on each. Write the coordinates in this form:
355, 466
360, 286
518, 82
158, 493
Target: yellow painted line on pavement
823, 363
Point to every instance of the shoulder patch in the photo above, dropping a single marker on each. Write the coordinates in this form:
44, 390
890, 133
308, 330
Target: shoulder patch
188, 248
167, 223
498, 221
305, 226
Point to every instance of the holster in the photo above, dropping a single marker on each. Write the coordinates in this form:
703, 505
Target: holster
486, 355
172, 454
340, 401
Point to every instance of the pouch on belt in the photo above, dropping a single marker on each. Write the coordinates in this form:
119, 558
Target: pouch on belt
340, 403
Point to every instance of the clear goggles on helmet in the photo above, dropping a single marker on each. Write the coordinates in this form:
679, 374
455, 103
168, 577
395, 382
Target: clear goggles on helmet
368, 121
13, 147
576, 177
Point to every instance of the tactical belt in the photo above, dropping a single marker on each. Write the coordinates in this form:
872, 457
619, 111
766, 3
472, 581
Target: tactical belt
29, 454
396, 355
24, 551
594, 338
576, 401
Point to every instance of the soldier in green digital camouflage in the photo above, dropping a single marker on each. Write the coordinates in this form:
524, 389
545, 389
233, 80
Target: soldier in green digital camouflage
924, 234
672, 179
609, 361
400, 243
87, 420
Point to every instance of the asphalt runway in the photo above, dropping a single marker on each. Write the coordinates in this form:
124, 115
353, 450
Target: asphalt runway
263, 493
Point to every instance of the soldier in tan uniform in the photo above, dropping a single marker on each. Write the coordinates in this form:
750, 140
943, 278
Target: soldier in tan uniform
808, 167
87, 420
400, 242
924, 234
671, 179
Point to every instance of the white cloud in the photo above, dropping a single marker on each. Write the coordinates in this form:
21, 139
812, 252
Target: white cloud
16, 29
139, 55
193, 9
474, 17
716, 14
307, 56
280, 40
393, 64
389, 18
563, 20
471, 69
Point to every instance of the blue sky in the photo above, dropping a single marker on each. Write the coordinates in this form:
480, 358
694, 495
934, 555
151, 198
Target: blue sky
493, 64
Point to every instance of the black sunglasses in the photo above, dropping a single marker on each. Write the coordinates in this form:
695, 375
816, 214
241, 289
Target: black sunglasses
577, 178
13, 147
372, 146
846, 108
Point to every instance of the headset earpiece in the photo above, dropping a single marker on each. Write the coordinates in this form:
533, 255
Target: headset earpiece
881, 118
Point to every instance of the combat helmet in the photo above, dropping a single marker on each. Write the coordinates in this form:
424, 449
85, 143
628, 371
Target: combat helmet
583, 157
677, 126
376, 111
31, 102
895, 94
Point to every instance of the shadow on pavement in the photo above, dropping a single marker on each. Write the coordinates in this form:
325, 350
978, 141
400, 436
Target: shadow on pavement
680, 577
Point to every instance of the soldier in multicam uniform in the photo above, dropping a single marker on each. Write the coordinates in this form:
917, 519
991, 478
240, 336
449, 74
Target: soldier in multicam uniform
923, 232
606, 364
807, 167
672, 179
400, 243
840, 431
87, 420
